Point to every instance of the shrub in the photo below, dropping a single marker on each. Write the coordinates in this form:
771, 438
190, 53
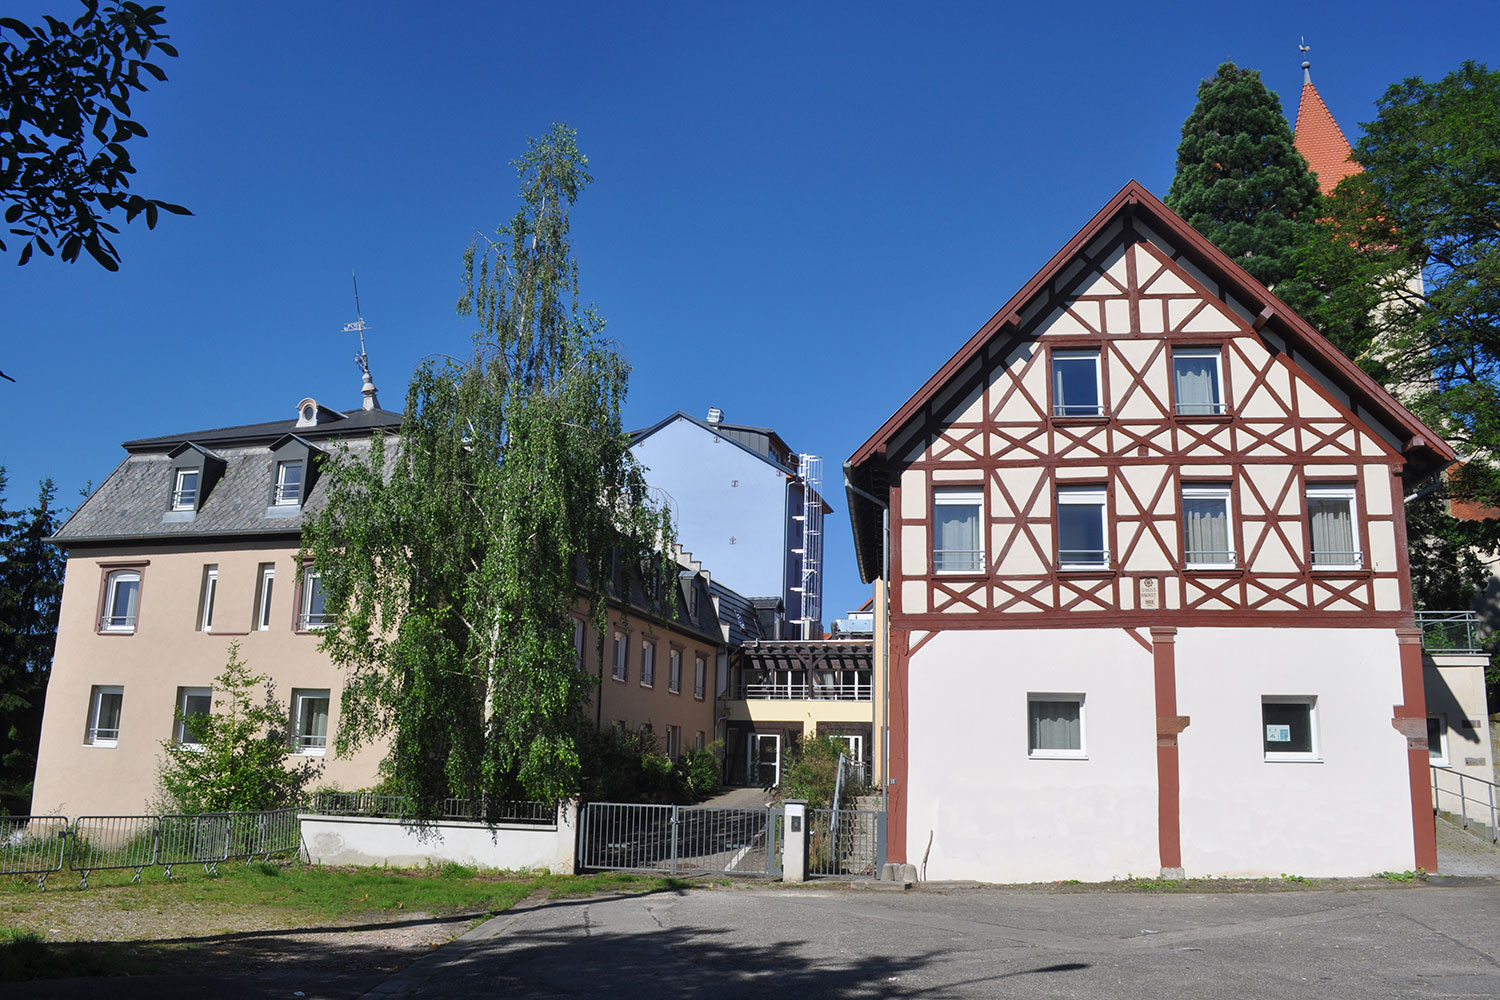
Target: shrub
812, 773
235, 757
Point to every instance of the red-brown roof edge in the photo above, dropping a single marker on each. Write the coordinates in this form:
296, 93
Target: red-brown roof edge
1133, 193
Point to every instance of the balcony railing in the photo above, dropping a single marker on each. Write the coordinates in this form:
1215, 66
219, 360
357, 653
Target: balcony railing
1329, 559
311, 622
861, 690
1449, 631
1077, 410
185, 499
1083, 558
117, 623
1208, 558
958, 560
1201, 409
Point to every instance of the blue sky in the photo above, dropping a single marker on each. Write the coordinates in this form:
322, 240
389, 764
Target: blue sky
800, 211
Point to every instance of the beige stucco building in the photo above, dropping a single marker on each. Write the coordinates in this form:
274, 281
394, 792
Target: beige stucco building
192, 544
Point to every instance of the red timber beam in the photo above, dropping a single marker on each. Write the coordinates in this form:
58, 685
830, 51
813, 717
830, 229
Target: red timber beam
1168, 725
1411, 721
898, 719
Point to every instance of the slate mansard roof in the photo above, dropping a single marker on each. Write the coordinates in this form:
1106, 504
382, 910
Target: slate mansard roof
133, 504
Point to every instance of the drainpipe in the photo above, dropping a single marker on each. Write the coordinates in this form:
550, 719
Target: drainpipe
885, 631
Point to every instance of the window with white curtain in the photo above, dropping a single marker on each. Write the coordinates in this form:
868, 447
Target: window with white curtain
648, 664
1196, 384
104, 715
310, 722
957, 542
618, 672
1332, 527
122, 601
1206, 528
1054, 724
1081, 539
1075, 384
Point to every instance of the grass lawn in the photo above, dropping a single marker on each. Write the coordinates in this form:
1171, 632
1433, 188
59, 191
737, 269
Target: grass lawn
70, 931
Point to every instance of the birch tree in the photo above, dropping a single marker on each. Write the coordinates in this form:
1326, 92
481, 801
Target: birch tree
454, 558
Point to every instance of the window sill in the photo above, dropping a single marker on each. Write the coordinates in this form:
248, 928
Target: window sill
1203, 418
645, 685
617, 678
1351, 572
308, 753
1293, 758
115, 631
960, 574
1080, 421
674, 690
1087, 571
1212, 570
1057, 755
102, 745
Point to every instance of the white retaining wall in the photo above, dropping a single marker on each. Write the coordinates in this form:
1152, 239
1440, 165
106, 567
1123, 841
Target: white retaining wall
360, 840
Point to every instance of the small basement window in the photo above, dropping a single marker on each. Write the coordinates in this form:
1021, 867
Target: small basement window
1054, 724
1289, 729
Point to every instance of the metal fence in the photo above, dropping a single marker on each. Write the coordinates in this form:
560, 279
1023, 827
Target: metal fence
1450, 631
675, 840
1473, 803
44, 845
401, 807
847, 843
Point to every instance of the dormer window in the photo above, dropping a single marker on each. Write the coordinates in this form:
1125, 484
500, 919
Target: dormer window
288, 483
185, 489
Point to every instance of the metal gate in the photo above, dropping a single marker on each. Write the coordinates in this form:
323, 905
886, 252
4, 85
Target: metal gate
680, 840
845, 843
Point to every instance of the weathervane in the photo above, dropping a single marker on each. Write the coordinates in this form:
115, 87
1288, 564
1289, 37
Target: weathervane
362, 359
1306, 66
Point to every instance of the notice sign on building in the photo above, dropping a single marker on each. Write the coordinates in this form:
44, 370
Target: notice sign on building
1278, 734
1150, 593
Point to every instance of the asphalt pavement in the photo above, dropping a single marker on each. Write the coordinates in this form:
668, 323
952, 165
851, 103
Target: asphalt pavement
1439, 939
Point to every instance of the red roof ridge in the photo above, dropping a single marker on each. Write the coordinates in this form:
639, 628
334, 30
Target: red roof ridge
1321, 142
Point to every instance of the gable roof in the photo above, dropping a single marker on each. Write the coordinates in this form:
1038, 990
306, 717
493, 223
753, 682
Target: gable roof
1423, 447
727, 432
1321, 142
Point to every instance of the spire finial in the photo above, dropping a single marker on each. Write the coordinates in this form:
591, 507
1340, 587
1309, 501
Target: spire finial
362, 359
1306, 66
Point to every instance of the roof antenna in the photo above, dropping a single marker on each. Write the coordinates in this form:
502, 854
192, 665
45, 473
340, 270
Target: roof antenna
362, 359
1306, 66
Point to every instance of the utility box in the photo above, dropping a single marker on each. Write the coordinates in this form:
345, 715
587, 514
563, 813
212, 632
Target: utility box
794, 842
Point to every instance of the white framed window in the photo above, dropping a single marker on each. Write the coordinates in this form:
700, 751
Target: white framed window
957, 538
578, 644
674, 671
310, 722
206, 599
288, 483
264, 585
313, 615
1289, 727
1333, 527
122, 600
105, 701
192, 703
700, 677
1437, 740
648, 664
622, 652
1197, 384
1207, 531
1082, 542
674, 741
1076, 384
1054, 726
185, 489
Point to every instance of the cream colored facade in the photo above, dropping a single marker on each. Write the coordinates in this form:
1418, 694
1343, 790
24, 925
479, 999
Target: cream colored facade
165, 652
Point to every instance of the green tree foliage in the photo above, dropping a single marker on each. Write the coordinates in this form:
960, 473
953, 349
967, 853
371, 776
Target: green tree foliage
235, 757
65, 90
452, 560
1239, 180
31, 578
812, 771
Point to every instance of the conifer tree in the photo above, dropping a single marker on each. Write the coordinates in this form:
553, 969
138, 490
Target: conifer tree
453, 559
1239, 180
31, 576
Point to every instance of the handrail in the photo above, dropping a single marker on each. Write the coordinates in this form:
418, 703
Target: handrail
1488, 802
1449, 631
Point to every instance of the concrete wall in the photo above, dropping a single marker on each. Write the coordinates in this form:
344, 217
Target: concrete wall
1348, 812
993, 813
352, 840
717, 492
1454, 684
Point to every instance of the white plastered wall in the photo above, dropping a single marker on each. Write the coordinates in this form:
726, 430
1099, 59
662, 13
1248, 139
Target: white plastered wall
994, 814
1348, 813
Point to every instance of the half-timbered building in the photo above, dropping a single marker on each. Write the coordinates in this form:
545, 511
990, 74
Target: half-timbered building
1143, 548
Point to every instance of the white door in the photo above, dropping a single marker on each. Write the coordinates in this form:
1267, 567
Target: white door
765, 759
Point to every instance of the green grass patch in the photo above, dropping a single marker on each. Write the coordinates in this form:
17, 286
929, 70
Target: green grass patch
1420, 875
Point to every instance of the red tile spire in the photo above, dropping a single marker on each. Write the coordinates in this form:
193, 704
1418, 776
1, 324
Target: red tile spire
1319, 139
